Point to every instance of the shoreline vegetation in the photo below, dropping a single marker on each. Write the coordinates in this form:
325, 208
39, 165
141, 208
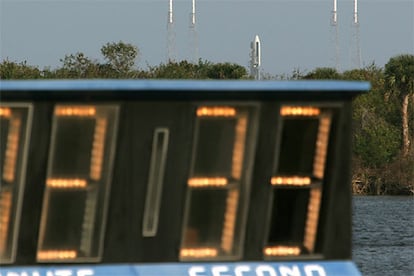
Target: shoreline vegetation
383, 119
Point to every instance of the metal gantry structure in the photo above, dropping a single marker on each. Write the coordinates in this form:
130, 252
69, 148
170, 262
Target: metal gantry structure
335, 35
356, 55
193, 34
193, 55
171, 52
171, 35
355, 48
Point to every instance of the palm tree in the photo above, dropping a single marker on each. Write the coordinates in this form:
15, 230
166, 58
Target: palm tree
399, 76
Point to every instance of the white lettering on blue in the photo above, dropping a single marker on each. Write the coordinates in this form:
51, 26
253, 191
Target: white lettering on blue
259, 270
310, 269
289, 271
238, 270
195, 270
219, 270
85, 272
265, 270
62, 272
58, 272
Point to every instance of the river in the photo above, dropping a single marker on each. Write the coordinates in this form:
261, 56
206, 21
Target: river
383, 235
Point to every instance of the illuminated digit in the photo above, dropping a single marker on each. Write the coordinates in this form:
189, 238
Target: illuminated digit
213, 214
14, 127
297, 180
83, 139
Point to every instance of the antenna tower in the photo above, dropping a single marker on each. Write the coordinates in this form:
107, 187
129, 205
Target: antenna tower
356, 38
334, 35
171, 54
193, 35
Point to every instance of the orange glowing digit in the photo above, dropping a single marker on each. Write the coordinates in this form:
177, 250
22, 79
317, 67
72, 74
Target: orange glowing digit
66, 183
98, 149
82, 111
207, 181
198, 252
216, 111
292, 180
75, 176
299, 111
56, 254
5, 207
5, 112
282, 251
12, 150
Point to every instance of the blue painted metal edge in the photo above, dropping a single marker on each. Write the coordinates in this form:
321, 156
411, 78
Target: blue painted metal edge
310, 268
182, 85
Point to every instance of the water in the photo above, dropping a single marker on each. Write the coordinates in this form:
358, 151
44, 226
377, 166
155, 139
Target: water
383, 235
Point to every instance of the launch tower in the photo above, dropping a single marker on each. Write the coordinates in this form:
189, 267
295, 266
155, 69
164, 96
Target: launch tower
334, 36
171, 53
193, 35
356, 55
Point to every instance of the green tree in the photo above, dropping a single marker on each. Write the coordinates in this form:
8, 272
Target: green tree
324, 73
378, 166
176, 70
77, 66
14, 70
121, 56
226, 71
202, 70
399, 75
376, 139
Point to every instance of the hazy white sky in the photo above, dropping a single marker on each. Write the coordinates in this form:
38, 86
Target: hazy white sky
294, 33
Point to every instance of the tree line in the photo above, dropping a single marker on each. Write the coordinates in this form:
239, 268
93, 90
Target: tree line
383, 119
120, 62
383, 126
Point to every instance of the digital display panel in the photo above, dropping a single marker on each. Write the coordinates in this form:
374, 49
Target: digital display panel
79, 170
297, 180
14, 131
224, 140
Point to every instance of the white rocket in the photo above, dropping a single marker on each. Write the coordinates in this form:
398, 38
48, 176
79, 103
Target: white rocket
255, 58
256, 52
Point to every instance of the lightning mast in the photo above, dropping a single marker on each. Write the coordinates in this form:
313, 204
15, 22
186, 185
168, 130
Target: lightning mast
193, 35
171, 55
356, 37
334, 24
